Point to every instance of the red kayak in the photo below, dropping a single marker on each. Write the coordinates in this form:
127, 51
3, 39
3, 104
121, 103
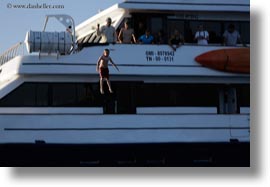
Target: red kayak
235, 60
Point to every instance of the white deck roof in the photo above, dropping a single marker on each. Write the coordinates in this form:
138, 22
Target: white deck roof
188, 5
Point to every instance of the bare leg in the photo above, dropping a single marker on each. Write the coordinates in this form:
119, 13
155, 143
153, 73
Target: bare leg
101, 85
109, 85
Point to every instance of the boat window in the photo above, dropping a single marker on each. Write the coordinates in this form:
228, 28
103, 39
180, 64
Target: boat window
53, 95
64, 95
41, 94
126, 98
74, 95
243, 95
175, 25
28, 94
245, 32
140, 24
177, 95
156, 25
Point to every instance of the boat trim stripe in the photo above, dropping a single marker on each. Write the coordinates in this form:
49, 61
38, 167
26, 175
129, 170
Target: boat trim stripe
127, 65
126, 128
174, 3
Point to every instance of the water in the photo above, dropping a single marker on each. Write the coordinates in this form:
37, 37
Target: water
127, 155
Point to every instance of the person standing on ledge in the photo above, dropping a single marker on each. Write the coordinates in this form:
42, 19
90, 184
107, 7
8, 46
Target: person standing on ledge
102, 68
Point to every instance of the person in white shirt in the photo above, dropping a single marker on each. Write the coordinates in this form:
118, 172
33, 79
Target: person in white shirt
202, 36
231, 36
107, 32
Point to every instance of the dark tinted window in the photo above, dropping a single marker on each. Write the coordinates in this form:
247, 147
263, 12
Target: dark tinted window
127, 95
53, 94
177, 95
243, 95
28, 94
64, 95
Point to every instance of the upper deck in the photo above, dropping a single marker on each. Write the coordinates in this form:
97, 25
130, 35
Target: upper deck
168, 15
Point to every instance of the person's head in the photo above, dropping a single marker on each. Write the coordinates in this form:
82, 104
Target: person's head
231, 28
176, 32
147, 32
160, 33
200, 27
109, 21
126, 24
106, 52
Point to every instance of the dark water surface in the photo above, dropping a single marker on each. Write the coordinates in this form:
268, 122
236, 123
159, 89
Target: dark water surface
127, 155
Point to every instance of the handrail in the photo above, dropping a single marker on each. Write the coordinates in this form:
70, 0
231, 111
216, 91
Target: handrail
16, 50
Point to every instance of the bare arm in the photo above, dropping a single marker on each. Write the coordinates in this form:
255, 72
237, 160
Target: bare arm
207, 36
120, 35
195, 36
115, 36
134, 38
114, 64
98, 30
98, 62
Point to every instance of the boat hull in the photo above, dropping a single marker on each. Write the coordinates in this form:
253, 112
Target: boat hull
119, 129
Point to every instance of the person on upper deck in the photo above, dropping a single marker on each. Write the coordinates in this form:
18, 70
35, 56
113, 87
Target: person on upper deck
126, 34
231, 36
140, 30
107, 32
147, 38
202, 36
176, 40
160, 38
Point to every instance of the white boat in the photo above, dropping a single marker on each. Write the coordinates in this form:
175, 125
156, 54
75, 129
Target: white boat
160, 95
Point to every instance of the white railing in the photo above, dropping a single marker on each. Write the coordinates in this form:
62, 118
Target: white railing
176, 110
51, 110
244, 110
16, 50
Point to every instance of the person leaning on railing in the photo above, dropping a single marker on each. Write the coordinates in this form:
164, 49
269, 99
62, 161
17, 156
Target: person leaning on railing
231, 36
176, 40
